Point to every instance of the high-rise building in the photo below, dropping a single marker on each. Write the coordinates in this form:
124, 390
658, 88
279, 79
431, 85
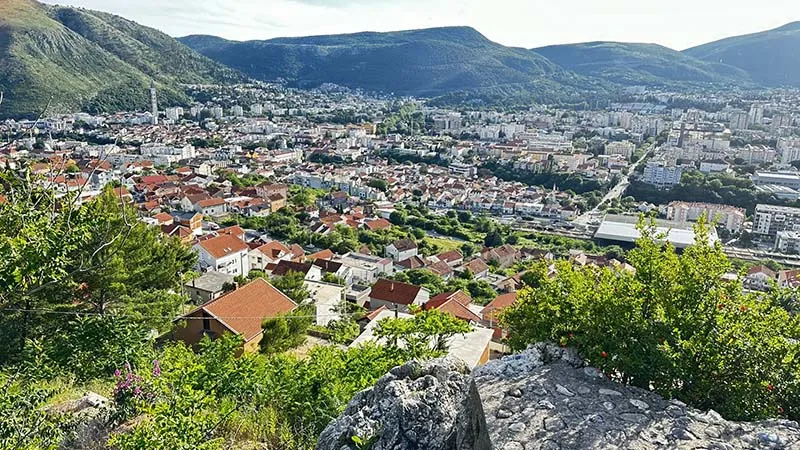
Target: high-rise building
153, 102
256, 109
237, 111
739, 120
756, 115
624, 148
770, 219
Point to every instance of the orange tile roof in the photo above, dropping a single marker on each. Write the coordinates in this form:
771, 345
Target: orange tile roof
222, 246
273, 249
243, 310
234, 230
394, 292
323, 254
499, 303
210, 202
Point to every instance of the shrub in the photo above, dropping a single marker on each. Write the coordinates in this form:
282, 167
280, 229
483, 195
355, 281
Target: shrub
675, 326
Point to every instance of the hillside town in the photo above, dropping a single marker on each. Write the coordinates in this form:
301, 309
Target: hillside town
363, 197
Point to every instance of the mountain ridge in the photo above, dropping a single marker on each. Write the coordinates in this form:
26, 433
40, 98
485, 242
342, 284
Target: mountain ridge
78, 59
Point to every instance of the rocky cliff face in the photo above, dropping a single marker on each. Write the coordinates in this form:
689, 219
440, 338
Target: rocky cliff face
542, 398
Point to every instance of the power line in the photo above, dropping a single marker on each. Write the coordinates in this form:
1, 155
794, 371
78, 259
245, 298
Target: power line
137, 316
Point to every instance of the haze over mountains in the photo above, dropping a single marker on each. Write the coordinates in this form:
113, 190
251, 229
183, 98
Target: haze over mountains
101, 62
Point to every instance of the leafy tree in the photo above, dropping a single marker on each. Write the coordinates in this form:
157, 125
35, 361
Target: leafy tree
286, 332
24, 422
398, 217
493, 239
292, 285
427, 334
674, 326
378, 184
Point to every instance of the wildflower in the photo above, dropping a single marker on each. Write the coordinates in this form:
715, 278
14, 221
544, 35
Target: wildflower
117, 373
156, 368
604, 354
769, 387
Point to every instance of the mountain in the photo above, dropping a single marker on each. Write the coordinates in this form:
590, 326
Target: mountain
90, 60
639, 64
426, 62
771, 58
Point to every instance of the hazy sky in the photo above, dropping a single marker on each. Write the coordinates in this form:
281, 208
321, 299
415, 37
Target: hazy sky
525, 23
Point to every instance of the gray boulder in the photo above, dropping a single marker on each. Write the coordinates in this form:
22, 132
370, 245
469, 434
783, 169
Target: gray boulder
432, 405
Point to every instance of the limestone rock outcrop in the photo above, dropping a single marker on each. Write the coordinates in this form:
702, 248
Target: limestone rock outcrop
432, 405
543, 398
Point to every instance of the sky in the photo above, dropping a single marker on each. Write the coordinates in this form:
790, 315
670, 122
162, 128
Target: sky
678, 24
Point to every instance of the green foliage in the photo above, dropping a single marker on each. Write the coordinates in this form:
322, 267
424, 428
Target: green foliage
24, 424
92, 347
426, 335
674, 326
286, 332
213, 398
563, 181
751, 52
292, 285
96, 257
638, 64
713, 188
493, 239
420, 62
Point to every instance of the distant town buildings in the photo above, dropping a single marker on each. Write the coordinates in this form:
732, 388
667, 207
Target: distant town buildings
770, 219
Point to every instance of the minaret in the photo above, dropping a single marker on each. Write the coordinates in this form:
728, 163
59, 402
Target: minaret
153, 102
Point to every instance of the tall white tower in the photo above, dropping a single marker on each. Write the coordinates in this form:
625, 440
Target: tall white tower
153, 102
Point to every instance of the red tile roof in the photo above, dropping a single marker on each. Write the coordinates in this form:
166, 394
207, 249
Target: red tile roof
499, 303
243, 310
395, 292
210, 202
222, 246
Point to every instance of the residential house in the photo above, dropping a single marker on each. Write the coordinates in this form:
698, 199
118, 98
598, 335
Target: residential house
270, 253
414, 262
397, 296
207, 286
276, 202
326, 298
452, 258
478, 268
789, 278
442, 269
760, 278
226, 254
213, 207
456, 303
505, 255
189, 219
401, 249
266, 189
335, 268
310, 272
491, 312
366, 269
240, 312
234, 230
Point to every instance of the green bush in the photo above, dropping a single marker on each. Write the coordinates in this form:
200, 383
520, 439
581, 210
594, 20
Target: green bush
675, 326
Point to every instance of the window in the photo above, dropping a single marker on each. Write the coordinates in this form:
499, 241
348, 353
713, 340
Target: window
206, 322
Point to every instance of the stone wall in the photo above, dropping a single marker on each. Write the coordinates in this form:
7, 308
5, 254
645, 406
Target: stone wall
542, 398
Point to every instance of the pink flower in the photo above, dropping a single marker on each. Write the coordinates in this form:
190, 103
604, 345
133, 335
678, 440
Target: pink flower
117, 373
156, 368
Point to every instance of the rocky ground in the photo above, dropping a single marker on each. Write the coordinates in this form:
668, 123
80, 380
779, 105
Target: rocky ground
542, 398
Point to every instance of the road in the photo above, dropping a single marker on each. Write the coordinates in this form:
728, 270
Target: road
615, 192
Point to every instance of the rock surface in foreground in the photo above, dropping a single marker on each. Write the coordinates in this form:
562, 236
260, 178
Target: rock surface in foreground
432, 405
542, 398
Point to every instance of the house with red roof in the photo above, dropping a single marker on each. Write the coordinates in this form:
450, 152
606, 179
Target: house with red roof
455, 303
240, 312
397, 296
492, 310
224, 253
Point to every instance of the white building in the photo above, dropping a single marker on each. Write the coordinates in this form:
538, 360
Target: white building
237, 111
174, 113
770, 219
225, 254
788, 242
713, 166
662, 174
624, 148
788, 179
256, 109
730, 217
